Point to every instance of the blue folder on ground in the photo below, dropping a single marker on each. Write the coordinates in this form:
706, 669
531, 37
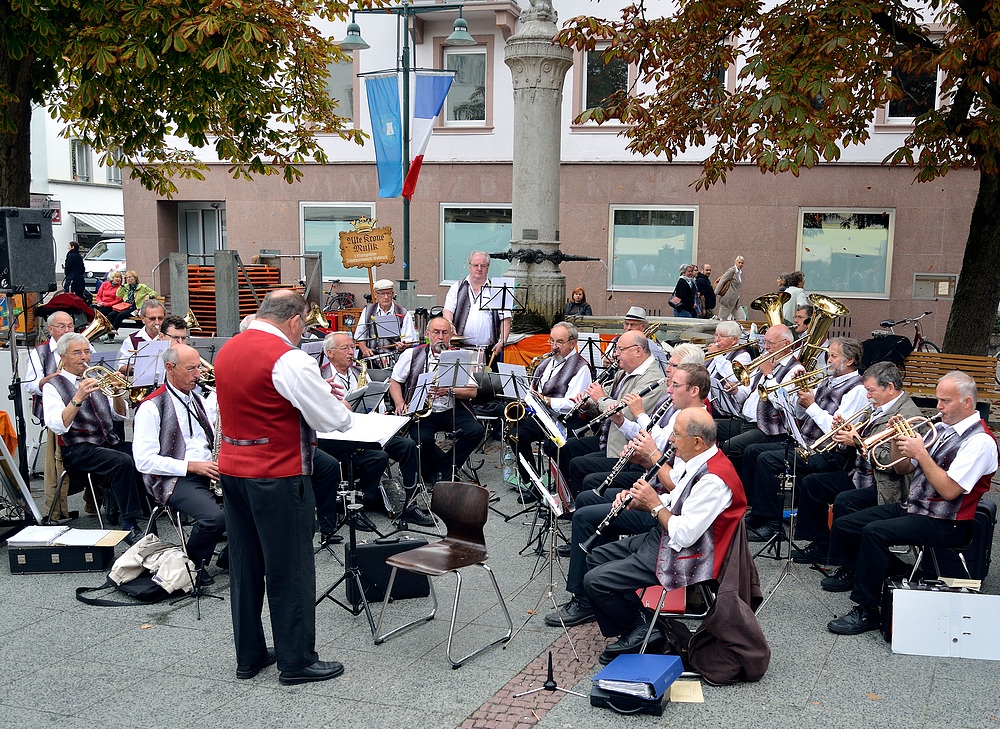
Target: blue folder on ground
642, 675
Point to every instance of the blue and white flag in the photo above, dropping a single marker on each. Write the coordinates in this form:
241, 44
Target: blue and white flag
387, 131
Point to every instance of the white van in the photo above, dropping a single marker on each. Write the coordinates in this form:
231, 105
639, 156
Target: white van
107, 255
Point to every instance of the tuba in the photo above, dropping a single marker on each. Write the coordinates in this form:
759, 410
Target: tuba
771, 305
191, 320
825, 310
650, 331
98, 327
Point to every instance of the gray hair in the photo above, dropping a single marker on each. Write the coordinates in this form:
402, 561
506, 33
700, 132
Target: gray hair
729, 329
965, 383
571, 330
850, 348
68, 340
329, 339
640, 340
704, 429
50, 320
884, 374
280, 306
479, 253
152, 303
689, 353
786, 334
171, 355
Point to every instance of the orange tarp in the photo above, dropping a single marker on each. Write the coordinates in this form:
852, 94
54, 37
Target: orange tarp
530, 347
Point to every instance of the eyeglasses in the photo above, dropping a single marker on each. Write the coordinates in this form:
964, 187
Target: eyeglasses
560, 342
676, 436
343, 348
64, 327
177, 337
622, 349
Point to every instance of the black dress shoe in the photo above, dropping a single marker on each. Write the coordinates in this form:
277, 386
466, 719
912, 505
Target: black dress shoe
330, 538
134, 535
418, 516
251, 671
319, 671
632, 642
813, 554
840, 581
203, 579
564, 550
222, 561
859, 620
576, 612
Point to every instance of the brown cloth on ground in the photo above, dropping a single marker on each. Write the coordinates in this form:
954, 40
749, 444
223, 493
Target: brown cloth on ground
729, 646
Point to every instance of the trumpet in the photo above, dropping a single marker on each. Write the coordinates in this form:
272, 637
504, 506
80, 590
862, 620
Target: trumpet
727, 350
111, 382
908, 427
805, 381
826, 443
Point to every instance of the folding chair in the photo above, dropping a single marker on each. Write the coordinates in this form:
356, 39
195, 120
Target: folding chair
64, 478
678, 604
463, 507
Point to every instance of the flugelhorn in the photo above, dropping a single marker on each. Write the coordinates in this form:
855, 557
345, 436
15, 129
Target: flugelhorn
743, 372
111, 382
826, 442
805, 381
98, 327
906, 427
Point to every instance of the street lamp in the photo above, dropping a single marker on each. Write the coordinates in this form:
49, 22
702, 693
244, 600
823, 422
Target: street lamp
354, 42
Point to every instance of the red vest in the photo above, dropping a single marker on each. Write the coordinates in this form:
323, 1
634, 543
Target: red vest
263, 435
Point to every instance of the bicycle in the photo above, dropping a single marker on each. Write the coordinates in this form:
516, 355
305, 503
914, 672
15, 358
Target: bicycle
337, 300
919, 343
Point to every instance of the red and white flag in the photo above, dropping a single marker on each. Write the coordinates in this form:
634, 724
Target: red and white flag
428, 97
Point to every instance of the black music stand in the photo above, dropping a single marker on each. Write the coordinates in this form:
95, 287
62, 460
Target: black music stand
351, 569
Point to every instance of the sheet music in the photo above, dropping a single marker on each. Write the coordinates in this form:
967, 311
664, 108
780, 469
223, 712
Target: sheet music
499, 294
368, 398
369, 428
456, 368
514, 379
384, 326
148, 366
420, 392
555, 431
782, 401
589, 346
554, 505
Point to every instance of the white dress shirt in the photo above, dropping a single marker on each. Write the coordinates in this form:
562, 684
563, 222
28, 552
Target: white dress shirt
479, 324
854, 400
580, 382
407, 332
708, 498
146, 435
53, 404
125, 352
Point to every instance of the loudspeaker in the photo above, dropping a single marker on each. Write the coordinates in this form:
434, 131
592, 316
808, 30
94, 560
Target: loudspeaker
27, 261
375, 572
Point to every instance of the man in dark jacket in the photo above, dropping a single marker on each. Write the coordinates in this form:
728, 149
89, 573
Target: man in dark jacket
706, 291
73, 268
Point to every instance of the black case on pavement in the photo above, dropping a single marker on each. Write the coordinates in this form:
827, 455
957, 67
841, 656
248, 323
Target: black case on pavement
375, 572
979, 553
625, 704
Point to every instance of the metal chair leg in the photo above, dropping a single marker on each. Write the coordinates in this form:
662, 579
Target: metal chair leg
456, 663
381, 637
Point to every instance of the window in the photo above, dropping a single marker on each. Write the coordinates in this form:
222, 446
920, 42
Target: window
919, 96
82, 170
321, 226
114, 172
466, 102
649, 245
602, 79
469, 228
340, 86
846, 251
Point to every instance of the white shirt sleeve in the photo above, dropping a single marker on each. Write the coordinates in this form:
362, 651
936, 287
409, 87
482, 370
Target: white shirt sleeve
53, 405
401, 370
451, 298
296, 378
976, 457
854, 400
709, 498
33, 374
146, 445
408, 332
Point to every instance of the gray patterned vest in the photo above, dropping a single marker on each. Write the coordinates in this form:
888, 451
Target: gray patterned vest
418, 365
93, 421
172, 443
923, 498
557, 384
828, 397
48, 360
462, 307
769, 419
691, 564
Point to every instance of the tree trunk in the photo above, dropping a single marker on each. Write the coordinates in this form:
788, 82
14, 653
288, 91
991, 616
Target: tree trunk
15, 145
974, 310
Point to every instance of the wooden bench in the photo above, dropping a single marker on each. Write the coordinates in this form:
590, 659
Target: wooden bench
924, 369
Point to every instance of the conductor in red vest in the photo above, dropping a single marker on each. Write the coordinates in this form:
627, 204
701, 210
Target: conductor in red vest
272, 400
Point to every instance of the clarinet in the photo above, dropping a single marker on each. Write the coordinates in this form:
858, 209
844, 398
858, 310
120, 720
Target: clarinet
627, 455
615, 409
616, 511
584, 403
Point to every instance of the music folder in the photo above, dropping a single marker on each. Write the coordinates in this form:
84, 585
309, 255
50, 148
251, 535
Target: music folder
644, 675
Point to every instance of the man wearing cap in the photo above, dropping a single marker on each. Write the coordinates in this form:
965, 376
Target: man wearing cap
365, 335
635, 321
463, 307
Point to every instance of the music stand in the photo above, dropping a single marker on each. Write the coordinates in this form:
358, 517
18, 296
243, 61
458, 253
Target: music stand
147, 364
368, 398
499, 295
589, 347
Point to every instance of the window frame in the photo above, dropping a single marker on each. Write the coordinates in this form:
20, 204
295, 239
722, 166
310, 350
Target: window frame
81, 155
442, 242
890, 247
350, 275
114, 171
580, 92
355, 90
487, 43
671, 280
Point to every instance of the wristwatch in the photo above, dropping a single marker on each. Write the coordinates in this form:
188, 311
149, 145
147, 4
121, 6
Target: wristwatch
75, 403
655, 511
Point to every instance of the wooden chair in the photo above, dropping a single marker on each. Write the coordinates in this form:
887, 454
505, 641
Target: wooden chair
463, 507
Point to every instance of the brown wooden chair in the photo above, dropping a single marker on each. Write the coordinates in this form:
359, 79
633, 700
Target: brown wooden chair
463, 507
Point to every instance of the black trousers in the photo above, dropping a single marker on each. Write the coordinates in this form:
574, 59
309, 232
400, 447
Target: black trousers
116, 465
749, 434
438, 465
574, 448
366, 465
192, 496
817, 492
616, 571
861, 541
762, 472
591, 510
270, 522
325, 481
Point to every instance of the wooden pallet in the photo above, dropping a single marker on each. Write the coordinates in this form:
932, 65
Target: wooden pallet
201, 292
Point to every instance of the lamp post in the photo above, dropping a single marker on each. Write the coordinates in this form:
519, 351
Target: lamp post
354, 42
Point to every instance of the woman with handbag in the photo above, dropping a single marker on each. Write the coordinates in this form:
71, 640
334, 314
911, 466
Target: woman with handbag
131, 296
685, 297
107, 297
727, 291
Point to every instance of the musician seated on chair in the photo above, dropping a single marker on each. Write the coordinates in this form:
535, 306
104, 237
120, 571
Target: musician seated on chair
696, 518
840, 394
583, 456
688, 383
948, 480
152, 315
463, 307
867, 483
561, 376
368, 461
83, 417
42, 364
450, 407
172, 443
727, 336
635, 321
384, 305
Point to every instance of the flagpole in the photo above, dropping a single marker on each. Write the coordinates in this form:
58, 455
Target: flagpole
406, 14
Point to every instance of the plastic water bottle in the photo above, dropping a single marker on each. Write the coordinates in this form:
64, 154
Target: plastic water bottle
509, 471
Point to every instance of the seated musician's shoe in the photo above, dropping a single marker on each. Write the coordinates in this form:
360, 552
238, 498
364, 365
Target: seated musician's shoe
330, 538
222, 561
632, 642
251, 671
565, 550
319, 671
418, 516
203, 579
763, 533
135, 533
840, 581
814, 553
859, 620
576, 612
527, 496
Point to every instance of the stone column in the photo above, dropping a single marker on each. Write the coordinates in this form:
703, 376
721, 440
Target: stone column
538, 69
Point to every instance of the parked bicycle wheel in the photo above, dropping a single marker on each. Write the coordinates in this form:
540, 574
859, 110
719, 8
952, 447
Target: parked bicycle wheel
926, 346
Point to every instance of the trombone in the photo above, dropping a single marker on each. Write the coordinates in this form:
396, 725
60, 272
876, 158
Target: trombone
727, 350
111, 382
826, 443
742, 372
805, 381
908, 427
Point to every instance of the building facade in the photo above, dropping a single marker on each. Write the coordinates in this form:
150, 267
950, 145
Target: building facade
868, 235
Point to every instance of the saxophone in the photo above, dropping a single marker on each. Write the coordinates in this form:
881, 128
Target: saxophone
362, 374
